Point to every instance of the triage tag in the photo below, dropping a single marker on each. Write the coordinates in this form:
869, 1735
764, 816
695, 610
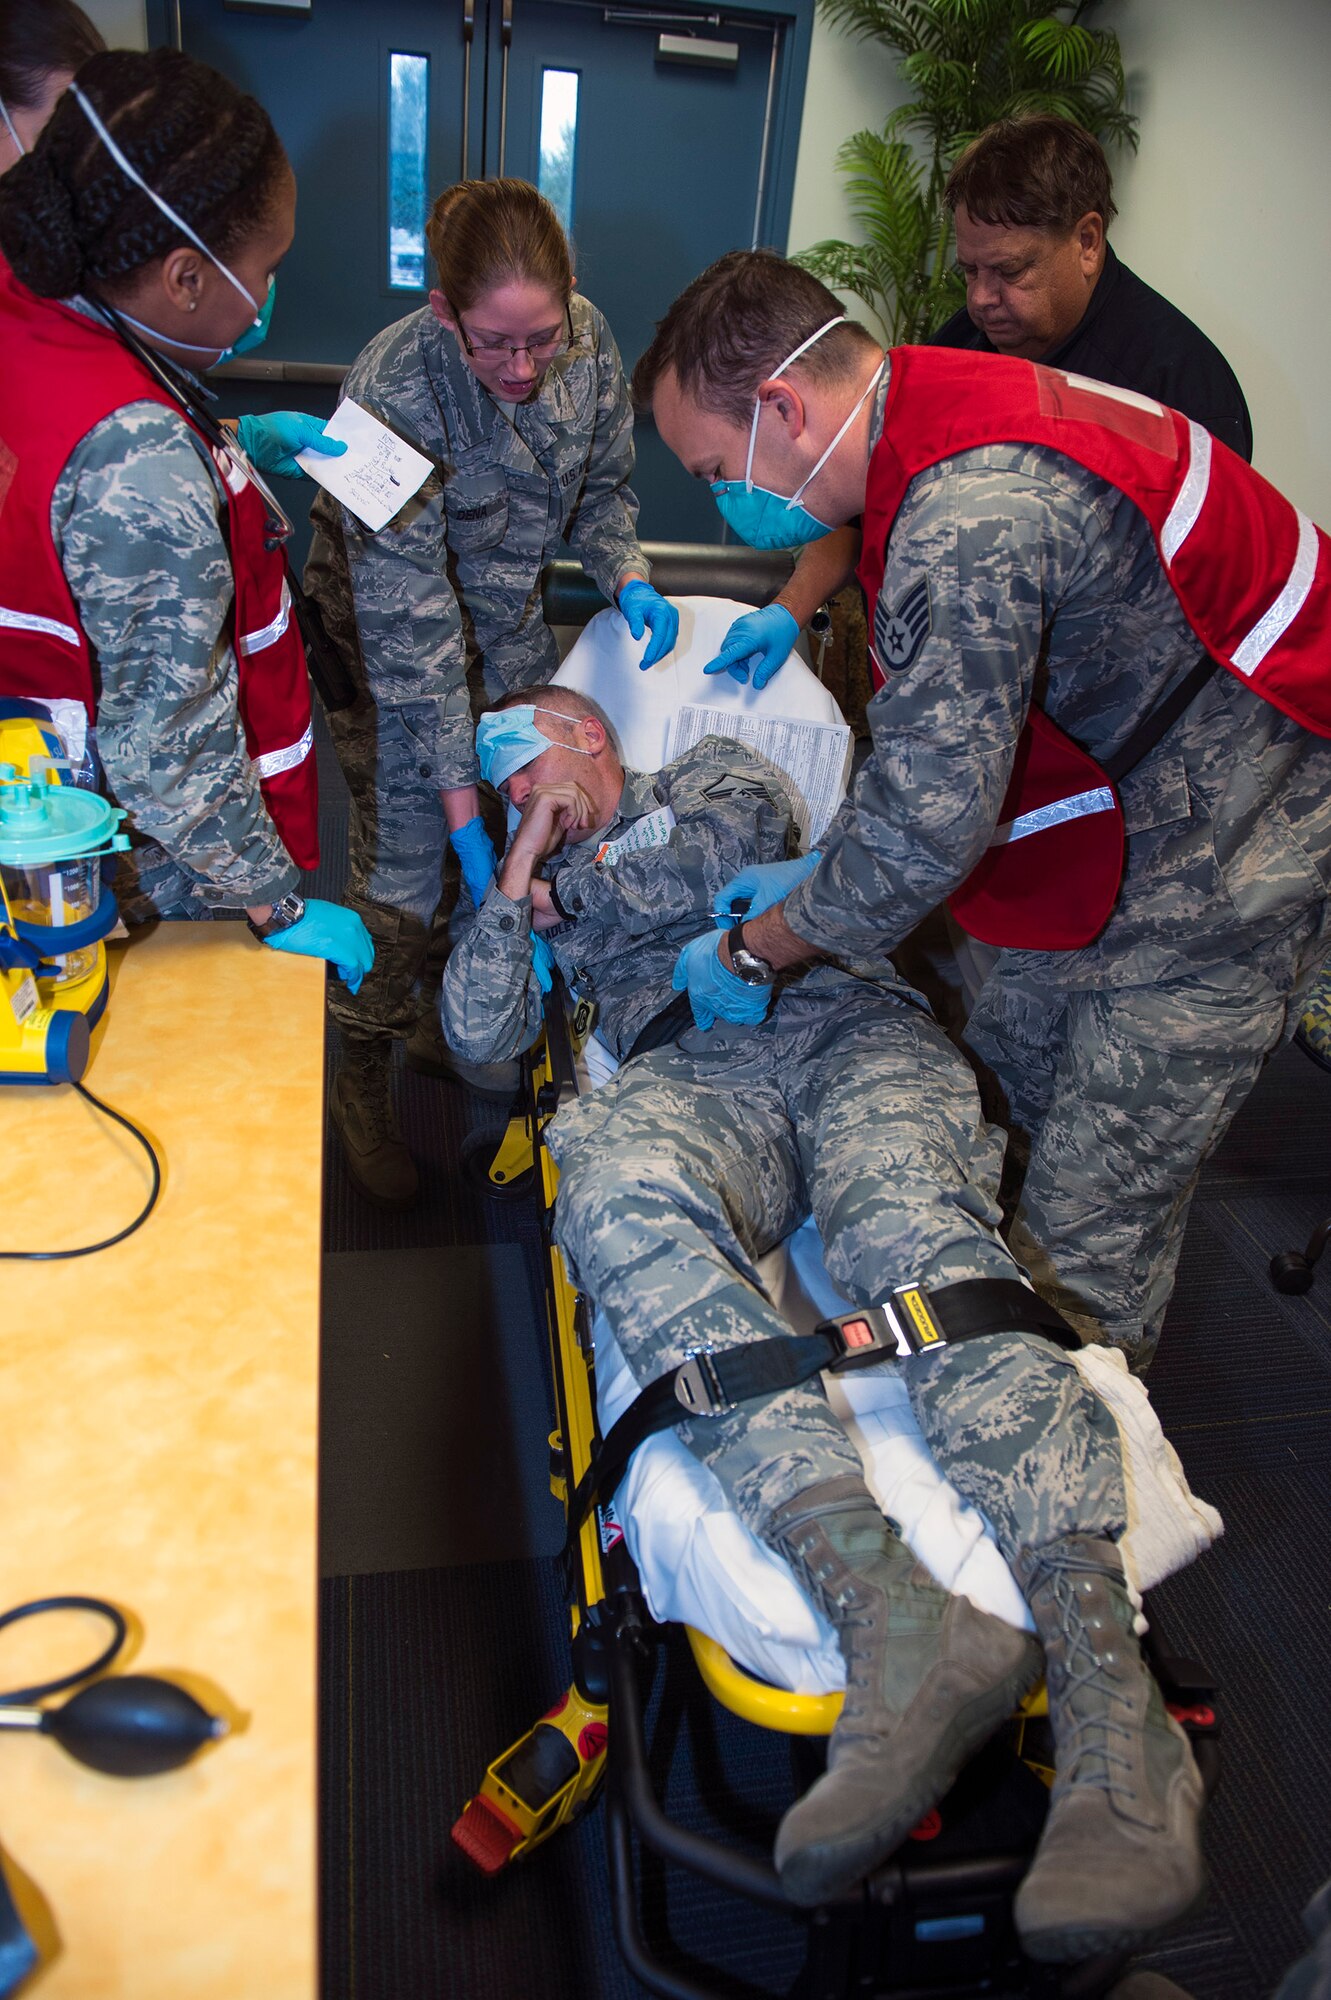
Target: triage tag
652, 830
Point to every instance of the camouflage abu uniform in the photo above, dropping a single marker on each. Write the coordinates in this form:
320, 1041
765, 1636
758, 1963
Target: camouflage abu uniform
696, 1159
1118, 1065
451, 587
137, 521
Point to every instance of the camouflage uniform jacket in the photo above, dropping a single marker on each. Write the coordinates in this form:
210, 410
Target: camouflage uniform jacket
1019, 575
455, 576
137, 520
629, 916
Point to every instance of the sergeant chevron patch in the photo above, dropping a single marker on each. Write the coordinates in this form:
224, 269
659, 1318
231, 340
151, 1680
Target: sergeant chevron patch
899, 632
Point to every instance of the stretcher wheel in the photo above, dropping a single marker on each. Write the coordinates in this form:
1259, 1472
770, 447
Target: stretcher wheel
478, 1151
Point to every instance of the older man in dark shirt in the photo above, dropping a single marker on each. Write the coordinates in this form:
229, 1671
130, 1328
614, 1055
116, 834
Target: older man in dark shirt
1032, 201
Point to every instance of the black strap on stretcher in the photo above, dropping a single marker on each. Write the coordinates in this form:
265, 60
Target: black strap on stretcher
1158, 721
710, 1384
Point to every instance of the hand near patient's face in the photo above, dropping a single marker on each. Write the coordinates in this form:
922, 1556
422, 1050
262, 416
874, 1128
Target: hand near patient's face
554, 813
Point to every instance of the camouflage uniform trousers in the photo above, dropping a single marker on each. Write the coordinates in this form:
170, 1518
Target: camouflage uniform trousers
403, 877
1114, 1100
694, 1161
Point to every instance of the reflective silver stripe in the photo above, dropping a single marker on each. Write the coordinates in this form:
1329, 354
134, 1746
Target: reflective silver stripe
28, 621
1273, 624
273, 761
1183, 514
267, 635
1078, 806
1132, 397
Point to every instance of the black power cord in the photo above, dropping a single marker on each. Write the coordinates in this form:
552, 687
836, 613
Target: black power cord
87, 1249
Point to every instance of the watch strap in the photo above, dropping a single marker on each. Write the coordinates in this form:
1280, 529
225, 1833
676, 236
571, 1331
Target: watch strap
748, 965
285, 912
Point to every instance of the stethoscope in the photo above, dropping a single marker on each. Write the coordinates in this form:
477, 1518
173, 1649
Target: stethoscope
126, 1725
194, 397
326, 671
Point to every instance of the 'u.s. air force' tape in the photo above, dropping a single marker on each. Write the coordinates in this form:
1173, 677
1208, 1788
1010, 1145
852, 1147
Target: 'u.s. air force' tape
652, 830
1078, 806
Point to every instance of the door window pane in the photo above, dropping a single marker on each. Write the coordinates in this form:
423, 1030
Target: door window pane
559, 140
408, 101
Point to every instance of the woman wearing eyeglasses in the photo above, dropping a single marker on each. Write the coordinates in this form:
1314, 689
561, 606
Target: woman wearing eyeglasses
511, 383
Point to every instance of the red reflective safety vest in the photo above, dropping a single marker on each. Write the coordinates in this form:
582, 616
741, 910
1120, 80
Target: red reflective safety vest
1251, 573
61, 374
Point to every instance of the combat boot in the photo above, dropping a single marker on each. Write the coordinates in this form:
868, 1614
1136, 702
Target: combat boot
1120, 1855
361, 1104
928, 1681
429, 1055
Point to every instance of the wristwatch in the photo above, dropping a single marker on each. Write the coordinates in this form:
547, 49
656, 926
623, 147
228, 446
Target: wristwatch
288, 910
746, 964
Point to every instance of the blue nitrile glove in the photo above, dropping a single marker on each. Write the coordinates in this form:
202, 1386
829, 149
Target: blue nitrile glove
476, 856
646, 610
712, 988
763, 884
327, 930
761, 640
271, 442
542, 962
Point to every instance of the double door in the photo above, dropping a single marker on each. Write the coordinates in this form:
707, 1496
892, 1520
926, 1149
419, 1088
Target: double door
664, 135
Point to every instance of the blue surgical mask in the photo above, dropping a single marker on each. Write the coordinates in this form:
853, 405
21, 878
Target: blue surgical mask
510, 740
253, 334
767, 520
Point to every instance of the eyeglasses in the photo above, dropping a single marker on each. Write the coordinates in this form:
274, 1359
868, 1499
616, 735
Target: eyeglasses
539, 350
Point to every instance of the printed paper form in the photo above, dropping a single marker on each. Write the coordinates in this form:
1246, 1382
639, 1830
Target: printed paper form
815, 756
376, 475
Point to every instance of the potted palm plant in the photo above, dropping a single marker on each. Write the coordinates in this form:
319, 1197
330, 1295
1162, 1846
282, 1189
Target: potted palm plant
968, 62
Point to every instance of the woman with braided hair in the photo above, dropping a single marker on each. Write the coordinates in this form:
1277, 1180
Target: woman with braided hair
144, 601
43, 43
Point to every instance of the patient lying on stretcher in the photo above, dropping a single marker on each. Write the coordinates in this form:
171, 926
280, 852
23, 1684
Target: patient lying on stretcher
697, 1157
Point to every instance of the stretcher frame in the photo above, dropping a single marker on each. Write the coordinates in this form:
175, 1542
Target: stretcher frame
594, 1738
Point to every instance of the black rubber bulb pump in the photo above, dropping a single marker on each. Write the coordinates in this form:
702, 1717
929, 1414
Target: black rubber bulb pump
132, 1725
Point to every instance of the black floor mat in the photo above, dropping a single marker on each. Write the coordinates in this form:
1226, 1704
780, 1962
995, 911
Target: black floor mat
434, 1414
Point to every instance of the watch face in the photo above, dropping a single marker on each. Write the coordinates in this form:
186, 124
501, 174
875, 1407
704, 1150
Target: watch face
752, 970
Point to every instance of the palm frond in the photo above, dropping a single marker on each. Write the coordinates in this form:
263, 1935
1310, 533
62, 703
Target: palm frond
1064, 51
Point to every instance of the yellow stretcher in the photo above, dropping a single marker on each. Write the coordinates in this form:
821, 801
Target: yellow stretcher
939, 1912
936, 1918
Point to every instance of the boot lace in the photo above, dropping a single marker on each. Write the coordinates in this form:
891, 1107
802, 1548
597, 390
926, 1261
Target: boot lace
1092, 1757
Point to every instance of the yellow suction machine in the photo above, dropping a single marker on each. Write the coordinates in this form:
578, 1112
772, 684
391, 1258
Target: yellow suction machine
54, 912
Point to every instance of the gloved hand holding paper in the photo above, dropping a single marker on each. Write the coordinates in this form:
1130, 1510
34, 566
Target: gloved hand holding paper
376, 475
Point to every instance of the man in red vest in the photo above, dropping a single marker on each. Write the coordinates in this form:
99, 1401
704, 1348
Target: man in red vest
1046, 560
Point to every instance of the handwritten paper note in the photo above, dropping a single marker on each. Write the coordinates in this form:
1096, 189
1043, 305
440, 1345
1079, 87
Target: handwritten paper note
376, 475
815, 756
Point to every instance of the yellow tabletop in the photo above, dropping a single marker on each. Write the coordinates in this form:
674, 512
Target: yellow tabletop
159, 1436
